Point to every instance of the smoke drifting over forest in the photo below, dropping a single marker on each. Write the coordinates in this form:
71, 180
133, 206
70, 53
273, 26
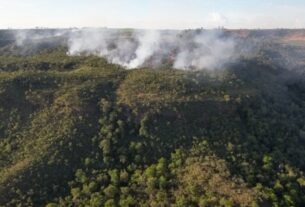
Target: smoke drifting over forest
180, 49
184, 50
193, 49
77, 131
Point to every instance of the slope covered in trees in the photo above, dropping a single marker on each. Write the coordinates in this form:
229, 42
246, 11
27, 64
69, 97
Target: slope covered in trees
78, 131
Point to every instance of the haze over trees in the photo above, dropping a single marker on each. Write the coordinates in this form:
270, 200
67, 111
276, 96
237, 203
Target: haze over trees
82, 130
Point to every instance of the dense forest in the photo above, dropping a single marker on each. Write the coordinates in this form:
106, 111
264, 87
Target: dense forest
80, 131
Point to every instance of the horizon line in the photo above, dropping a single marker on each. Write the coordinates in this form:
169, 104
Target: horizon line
142, 28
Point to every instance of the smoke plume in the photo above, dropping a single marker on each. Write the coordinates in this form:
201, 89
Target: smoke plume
188, 49
194, 49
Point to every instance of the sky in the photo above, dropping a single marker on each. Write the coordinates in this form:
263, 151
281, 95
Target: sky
153, 14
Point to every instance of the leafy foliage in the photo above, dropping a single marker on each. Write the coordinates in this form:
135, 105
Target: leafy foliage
78, 131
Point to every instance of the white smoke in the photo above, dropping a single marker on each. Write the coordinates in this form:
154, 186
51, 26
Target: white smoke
101, 43
204, 51
119, 47
189, 49
137, 48
148, 44
23, 37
